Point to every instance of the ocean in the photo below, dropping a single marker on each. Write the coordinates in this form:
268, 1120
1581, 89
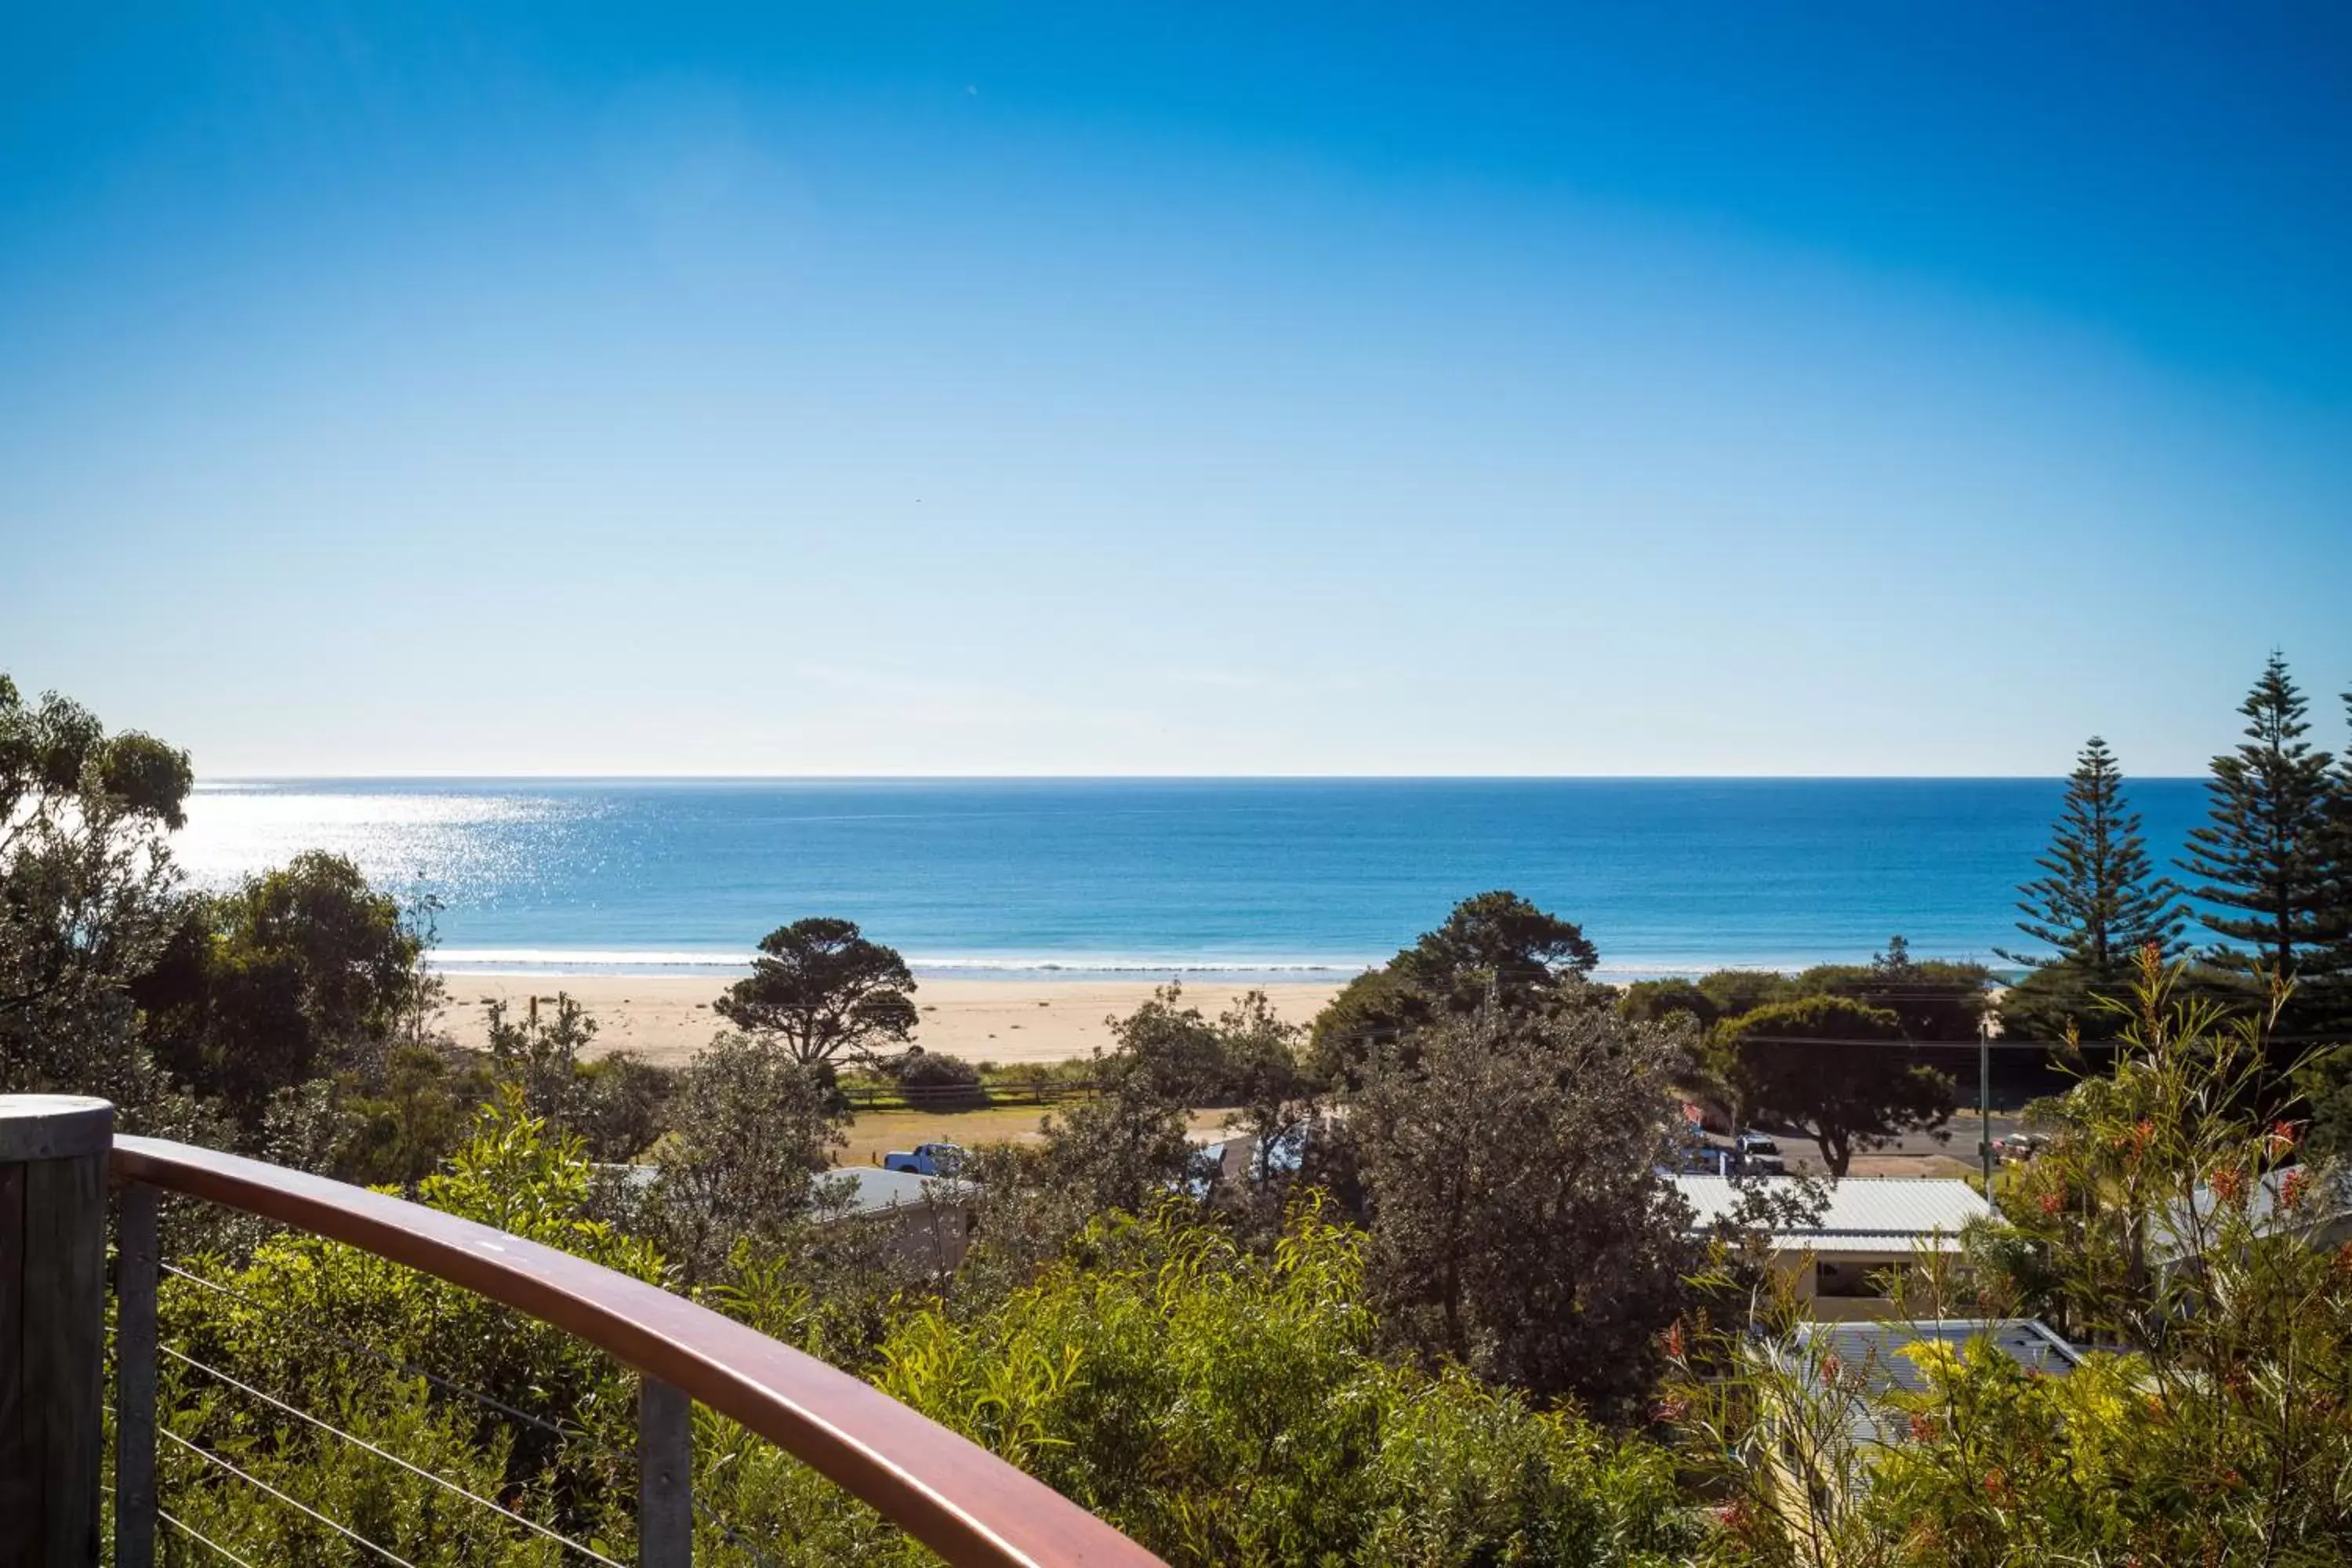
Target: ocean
1270, 879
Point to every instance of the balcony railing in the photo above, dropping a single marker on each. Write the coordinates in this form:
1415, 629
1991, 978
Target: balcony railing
59, 1157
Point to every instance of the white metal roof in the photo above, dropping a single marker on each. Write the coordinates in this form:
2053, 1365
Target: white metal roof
1876, 1350
1860, 1214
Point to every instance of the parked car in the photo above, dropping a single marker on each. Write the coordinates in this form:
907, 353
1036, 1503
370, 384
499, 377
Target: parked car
2021, 1146
1758, 1155
926, 1160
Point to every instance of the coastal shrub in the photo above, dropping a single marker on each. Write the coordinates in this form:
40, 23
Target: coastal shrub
934, 1080
1223, 1405
332, 1331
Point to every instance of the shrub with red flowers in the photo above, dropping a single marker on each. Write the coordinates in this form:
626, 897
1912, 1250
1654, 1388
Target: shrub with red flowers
2209, 1420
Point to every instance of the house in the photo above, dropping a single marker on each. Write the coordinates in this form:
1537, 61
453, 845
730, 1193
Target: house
1881, 1355
1819, 1464
2294, 1200
930, 1217
1867, 1228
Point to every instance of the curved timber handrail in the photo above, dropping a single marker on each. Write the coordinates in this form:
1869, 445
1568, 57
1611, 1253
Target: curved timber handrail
950, 1494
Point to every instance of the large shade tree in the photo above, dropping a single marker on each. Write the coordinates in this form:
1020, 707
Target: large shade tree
86, 899
299, 972
1495, 950
1519, 1225
821, 990
1837, 1069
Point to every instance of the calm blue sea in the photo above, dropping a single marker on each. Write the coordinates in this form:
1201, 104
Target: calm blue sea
1260, 877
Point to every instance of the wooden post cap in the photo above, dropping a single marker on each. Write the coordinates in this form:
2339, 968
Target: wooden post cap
53, 1127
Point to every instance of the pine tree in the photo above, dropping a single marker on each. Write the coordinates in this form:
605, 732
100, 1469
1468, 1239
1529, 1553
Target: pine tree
2266, 852
2098, 903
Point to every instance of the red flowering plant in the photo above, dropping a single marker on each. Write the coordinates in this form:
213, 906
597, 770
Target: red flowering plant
2209, 1416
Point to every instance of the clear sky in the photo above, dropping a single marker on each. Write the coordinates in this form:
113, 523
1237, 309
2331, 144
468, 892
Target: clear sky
881, 387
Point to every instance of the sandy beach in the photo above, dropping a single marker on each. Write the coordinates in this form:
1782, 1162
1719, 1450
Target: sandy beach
668, 1018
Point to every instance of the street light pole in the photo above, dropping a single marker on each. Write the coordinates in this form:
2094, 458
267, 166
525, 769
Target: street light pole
1984, 1101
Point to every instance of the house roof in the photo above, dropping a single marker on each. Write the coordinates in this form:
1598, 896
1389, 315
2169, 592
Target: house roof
2327, 1197
1860, 1214
871, 1190
1875, 1350
863, 1189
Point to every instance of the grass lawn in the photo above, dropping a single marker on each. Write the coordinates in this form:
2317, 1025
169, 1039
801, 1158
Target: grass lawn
877, 1132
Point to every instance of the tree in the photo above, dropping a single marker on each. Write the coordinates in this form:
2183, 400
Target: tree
2263, 853
1494, 949
1274, 1100
1127, 1149
541, 1056
1656, 1001
821, 989
85, 885
302, 972
1833, 1067
2097, 905
1936, 999
1519, 1225
752, 1134
1495, 942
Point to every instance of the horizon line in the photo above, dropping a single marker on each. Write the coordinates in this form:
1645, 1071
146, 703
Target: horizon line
203, 780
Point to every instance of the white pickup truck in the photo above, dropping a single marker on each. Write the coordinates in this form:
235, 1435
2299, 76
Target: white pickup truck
926, 1160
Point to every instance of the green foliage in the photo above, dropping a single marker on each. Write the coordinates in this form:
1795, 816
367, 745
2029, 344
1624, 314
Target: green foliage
85, 880
1376, 1009
1519, 1225
2265, 855
299, 973
1656, 1001
919, 1068
1494, 949
752, 1133
2096, 904
302, 1305
821, 990
1830, 1066
1228, 1407
2163, 1224
1935, 999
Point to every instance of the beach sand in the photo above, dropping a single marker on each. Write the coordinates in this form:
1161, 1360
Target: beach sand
668, 1018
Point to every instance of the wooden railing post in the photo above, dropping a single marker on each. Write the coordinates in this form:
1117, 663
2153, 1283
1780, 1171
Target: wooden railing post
664, 1475
53, 1154
134, 1378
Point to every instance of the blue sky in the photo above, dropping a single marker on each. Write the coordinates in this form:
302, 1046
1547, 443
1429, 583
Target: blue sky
896, 388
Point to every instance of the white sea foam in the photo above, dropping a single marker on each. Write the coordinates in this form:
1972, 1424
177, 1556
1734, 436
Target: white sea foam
657, 961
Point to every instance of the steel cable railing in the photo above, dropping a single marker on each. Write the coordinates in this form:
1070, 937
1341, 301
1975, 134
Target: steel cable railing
200, 1538
948, 1494
582, 1548
568, 1436
346, 1531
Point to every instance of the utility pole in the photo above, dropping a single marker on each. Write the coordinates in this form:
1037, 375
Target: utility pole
1984, 1101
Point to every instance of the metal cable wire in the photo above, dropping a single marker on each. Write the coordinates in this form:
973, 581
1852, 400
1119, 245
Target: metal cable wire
345, 1530
734, 1537
199, 1537
441, 1481
563, 1433
538, 1423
